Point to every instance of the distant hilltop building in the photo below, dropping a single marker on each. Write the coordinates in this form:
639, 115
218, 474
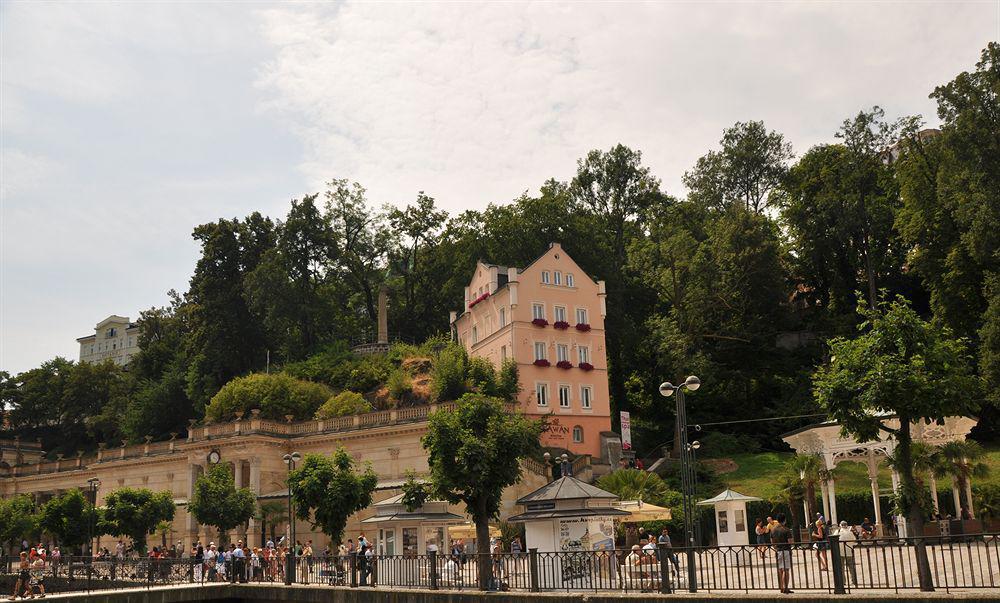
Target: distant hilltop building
114, 338
549, 318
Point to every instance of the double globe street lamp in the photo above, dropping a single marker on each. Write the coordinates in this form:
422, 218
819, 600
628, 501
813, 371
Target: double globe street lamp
687, 449
290, 460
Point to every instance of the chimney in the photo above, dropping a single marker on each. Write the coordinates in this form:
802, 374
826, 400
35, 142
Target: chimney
602, 293
383, 315
512, 285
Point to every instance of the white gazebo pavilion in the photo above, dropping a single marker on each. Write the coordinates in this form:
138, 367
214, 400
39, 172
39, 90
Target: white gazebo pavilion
826, 441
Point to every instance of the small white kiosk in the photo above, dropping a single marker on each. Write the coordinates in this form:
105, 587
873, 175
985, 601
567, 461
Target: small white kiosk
567, 516
732, 529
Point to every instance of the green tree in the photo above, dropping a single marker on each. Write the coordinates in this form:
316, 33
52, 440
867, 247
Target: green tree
17, 520
811, 470
270, 514
474, 452
328, 490
135, 512
903, 366
67, 517
751, 163
275, 394
636, 484
448, 373
217, 502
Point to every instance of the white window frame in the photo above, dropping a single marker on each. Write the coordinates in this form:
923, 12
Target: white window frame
562, 352
503, 353
568, 390
545, 277
583, 353
540, 345
475, 334
570, 281
585, 315
577, 434
557, 278
537, 310
555, 313
503, 316
542, 393
586, 397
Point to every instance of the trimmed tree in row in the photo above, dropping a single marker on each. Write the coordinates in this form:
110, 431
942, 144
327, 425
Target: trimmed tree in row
135, 513
329, 489
218, 503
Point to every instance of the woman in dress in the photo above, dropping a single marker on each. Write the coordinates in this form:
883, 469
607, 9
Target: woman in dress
820, 543
763, 537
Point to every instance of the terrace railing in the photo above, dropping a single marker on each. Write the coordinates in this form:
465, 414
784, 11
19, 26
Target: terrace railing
879, 566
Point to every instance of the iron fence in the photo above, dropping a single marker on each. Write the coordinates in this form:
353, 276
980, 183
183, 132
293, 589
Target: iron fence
830, 567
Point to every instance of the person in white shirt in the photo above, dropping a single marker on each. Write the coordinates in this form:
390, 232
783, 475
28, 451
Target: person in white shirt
848, 540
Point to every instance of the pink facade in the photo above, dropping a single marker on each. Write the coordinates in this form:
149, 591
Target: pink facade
549, 318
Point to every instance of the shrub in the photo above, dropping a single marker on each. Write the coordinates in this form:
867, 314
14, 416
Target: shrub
482, 376
399, 384
508, 387
276, 395
448, 374
343, 404
367, 374
399, 352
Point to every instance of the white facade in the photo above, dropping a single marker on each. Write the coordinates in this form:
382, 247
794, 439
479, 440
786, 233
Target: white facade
114, 338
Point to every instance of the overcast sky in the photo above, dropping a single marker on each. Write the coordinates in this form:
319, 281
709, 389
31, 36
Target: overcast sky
126, 124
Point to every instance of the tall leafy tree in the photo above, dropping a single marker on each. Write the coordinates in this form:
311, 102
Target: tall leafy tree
217, 502
902, 366
135, 512
328, 490
751, 163
17, 520
474, 452
70, 518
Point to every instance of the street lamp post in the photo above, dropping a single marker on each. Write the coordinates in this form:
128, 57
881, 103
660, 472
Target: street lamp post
667, 389
92, 485
693, 469
290, 460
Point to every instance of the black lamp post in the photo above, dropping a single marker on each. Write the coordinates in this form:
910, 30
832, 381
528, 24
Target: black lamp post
693, 449
668, 389
92, 485
290, 460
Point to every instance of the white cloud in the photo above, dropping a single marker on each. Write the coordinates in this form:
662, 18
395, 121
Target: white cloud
476, 102
21, 172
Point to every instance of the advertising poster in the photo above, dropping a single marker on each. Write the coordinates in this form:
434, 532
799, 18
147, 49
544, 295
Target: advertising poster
583, 535
626, 431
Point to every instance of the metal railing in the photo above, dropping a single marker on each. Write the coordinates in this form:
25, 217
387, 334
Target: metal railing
968, 563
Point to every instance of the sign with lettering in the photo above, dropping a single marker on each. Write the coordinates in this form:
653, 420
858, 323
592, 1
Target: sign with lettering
626, 431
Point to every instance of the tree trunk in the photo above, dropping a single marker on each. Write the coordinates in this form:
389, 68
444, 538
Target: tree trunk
915, 514
483, 553
810, 503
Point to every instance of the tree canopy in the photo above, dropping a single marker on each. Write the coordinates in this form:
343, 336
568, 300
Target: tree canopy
329, 489
217, 502
135, 512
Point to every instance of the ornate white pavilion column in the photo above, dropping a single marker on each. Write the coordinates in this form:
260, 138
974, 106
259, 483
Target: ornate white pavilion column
826, 502
832, 517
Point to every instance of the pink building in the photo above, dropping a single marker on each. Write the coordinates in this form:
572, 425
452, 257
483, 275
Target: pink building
549, 318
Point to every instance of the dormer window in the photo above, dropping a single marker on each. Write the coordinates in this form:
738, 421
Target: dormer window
545, 277
557, 278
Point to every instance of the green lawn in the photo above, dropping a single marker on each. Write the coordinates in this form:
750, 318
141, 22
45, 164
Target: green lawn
758, 474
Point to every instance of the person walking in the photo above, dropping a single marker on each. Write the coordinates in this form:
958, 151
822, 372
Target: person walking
23, 576
763, 537
781, 539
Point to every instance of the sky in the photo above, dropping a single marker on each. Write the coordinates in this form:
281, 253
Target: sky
123, 125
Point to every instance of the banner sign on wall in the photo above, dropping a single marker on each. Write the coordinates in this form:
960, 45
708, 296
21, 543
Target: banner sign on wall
626, 431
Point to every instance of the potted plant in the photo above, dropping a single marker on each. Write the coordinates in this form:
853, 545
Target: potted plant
564, 364
561, 324
542, 362
540, 322
586, 366
582, 326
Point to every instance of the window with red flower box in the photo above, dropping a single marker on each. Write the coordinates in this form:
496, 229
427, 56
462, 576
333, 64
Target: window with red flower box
542, 362
479, 299
586, 366
540, 322
564, 364
561, 324
582, 326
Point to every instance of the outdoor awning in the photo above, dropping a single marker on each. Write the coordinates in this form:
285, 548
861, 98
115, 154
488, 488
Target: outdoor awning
468, 531
728, 495
642, 511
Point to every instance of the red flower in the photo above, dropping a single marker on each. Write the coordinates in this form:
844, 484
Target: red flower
540, 322
479, 299
586, 366
560, 324
542, 362
582, 326
564, 364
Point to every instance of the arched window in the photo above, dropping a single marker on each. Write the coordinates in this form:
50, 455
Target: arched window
578, 434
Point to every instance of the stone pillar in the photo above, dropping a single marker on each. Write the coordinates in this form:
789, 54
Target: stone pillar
253, 527
383, 315
933, 487
195, 470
